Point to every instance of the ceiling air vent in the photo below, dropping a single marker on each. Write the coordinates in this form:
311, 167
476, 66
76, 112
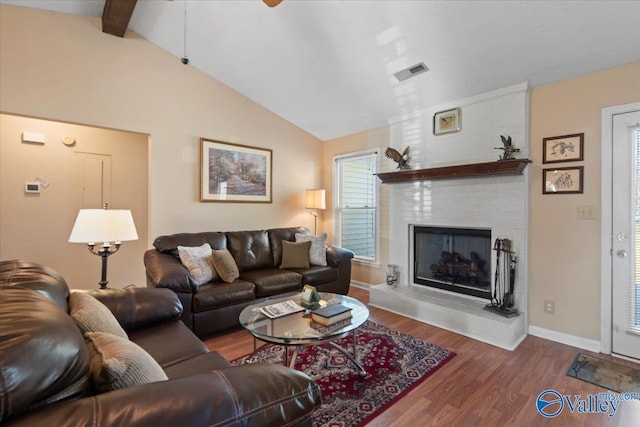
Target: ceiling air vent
412, 71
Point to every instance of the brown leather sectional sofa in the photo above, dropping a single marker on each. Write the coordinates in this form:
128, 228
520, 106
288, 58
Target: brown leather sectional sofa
215, 306
44, 365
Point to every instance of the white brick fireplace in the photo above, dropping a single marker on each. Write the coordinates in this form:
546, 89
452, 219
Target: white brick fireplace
496, 203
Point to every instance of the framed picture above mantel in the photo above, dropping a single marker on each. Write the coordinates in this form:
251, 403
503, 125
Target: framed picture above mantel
447, 121
234, 173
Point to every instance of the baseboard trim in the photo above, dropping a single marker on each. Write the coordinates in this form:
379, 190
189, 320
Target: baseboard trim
568, 339
360, 285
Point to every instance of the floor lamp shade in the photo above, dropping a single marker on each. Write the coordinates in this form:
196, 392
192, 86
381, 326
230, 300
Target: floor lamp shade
315, 199
103, 225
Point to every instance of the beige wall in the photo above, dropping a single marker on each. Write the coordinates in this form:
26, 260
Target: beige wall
565, 251
36, 227
374, 138
62, 67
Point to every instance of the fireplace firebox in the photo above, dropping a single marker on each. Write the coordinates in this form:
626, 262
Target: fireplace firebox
453, 259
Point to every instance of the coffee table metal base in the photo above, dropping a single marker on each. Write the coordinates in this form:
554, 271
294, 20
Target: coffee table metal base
291, 363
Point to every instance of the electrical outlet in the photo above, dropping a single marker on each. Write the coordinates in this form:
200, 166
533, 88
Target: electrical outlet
549, 306
587, 212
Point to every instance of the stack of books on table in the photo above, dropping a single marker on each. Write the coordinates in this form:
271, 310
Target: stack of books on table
332, 327
331, 314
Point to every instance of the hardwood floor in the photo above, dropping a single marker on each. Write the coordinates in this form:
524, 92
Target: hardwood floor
482, 386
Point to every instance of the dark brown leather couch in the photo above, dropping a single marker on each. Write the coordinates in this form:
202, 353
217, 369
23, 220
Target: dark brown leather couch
44, 365
215, 306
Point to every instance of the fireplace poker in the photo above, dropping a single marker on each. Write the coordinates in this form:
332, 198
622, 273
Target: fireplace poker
506, 253
512, 279
496, 246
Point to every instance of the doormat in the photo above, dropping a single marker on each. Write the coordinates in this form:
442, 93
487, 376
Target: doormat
395, 364
605, 373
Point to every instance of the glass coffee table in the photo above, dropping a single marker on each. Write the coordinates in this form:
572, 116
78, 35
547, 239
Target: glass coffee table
298, 329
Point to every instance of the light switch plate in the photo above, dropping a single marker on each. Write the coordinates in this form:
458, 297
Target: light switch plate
587, 212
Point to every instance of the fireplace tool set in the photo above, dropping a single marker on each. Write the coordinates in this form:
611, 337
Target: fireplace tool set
502, 297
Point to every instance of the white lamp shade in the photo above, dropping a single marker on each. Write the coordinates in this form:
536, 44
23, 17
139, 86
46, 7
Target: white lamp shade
103, 225
315, 199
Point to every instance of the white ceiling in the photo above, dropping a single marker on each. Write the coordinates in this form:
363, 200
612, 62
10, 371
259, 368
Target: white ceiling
327, 66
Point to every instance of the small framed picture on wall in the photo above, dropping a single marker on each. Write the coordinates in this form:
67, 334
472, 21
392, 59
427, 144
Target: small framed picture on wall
565, 148
563, 180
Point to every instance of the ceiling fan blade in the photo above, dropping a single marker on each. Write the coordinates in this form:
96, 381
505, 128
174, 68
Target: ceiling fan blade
272, 3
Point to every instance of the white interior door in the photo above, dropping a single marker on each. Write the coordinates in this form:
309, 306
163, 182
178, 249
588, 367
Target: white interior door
625, 263
92, 180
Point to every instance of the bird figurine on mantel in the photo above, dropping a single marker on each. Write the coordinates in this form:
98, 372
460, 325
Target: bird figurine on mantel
401, 159
508, 148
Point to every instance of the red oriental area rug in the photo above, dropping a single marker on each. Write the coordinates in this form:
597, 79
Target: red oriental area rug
395, 363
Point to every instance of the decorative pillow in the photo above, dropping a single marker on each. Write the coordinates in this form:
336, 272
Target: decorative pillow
93, 316
295, 255
118, 363
225, 265
318, 251
199, 262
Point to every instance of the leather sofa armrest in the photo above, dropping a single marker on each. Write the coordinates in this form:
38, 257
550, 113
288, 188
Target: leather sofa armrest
248, 395
165, 271
140, 307
337, 255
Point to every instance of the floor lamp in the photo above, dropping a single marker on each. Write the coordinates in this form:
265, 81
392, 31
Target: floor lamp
315, 201
110, 226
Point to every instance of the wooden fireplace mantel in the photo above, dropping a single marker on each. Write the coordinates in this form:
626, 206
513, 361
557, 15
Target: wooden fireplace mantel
471, 170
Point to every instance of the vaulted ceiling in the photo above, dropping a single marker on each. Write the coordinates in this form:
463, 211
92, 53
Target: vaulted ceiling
328, 66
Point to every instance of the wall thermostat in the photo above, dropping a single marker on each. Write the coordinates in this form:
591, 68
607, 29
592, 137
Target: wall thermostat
31, 187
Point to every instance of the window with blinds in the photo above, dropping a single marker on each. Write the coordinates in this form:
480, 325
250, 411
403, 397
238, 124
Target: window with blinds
356, 204
634, 292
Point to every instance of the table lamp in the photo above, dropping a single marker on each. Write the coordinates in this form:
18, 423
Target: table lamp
109, 226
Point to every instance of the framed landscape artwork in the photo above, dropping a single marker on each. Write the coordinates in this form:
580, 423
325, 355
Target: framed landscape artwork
565, 148
234, 172
563, 180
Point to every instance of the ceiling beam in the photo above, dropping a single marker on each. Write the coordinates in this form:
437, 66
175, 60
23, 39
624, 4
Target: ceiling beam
272, 3
116, 16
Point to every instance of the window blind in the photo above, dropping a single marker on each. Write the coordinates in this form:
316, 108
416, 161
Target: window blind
633, 307
357, 204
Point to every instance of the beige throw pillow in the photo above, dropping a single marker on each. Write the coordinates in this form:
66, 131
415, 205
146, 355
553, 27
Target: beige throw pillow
199, 262
93, 316
295, 255
225, 265
318, 250
118, 363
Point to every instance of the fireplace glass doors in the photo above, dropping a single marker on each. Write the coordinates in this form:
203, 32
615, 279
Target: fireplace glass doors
453, 259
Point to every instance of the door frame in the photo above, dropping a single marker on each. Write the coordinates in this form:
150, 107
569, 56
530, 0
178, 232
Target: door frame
606, 226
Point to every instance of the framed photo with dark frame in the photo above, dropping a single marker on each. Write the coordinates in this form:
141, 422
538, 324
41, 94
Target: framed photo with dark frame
563, 180
565, 148
234, 173
447, 121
